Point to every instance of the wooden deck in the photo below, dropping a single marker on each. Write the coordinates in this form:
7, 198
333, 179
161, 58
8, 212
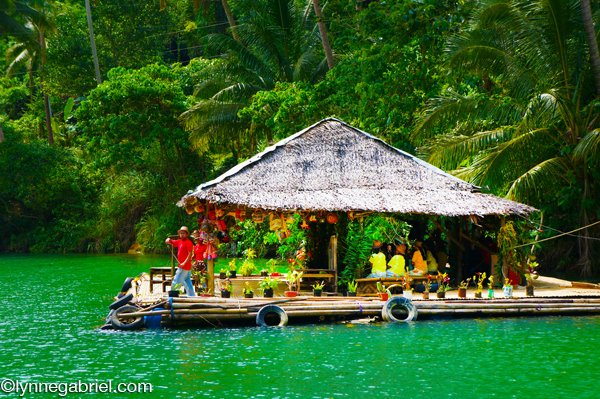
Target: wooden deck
215, 311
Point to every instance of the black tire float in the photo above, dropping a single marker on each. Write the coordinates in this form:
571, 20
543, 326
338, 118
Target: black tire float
125, 287
122, 301
387, 312
127, 323
268, 310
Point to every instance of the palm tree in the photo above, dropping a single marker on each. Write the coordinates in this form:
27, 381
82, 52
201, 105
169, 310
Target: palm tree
30, 50
531, 130
275, 44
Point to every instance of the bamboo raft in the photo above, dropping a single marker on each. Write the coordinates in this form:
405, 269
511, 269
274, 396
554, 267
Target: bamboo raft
160, 311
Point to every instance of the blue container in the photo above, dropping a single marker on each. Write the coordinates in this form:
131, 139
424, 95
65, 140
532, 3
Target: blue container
153, 322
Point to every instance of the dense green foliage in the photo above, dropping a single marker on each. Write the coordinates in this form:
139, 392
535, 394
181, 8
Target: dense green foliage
500, 92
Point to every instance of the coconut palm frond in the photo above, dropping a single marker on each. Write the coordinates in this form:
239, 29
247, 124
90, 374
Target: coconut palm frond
505, 162
448, 152
588, 148
542, 179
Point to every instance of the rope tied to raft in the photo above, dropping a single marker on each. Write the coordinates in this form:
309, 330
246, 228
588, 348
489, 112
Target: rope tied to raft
171, 307
360, 308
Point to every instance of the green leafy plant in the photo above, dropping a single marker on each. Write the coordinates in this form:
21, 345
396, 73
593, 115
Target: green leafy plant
490, 283
352, 286
268, 282
247, 289
381, 288
232, 264
248, 267
318, 286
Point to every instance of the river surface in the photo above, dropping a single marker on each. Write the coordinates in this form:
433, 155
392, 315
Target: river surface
53, 306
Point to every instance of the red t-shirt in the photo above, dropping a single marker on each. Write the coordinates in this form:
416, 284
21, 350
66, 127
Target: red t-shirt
200, 251
184, 247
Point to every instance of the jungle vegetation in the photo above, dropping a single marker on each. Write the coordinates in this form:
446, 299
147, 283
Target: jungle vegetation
101, 133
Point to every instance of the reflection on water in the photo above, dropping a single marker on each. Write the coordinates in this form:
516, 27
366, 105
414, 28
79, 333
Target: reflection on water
54, 304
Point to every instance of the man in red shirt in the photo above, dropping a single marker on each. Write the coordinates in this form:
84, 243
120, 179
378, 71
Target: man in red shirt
185, 250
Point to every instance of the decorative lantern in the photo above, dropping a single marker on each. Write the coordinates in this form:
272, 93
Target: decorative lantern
332, 218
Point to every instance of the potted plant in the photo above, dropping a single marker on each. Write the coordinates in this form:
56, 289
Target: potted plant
268, 285
382, 291
232, 268
352, 287
264, 272
248, 291
531, 275
443, 284
479, 278
462, 288
222, 273
226, 288
427, 285
248, 267
175, 290
507, 288
272, 264
293, 279
491, 287
318, 288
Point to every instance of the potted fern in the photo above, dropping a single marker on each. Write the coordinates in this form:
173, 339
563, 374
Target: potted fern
268, 285
248, 291
352, 287
318, 288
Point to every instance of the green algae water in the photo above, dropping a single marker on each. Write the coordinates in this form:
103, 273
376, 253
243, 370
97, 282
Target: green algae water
53, 306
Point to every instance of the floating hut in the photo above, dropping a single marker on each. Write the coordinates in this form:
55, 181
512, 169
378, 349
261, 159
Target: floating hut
332, 167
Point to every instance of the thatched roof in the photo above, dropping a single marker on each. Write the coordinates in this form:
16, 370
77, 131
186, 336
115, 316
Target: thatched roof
332, 166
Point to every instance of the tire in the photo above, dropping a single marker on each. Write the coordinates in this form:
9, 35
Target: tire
124, 300
271, 309
387, 312
125, 287
129, 323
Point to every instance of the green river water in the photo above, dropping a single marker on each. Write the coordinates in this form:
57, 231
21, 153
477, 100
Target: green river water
53, 306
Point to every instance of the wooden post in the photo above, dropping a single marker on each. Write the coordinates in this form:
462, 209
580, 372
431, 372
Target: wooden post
210, 278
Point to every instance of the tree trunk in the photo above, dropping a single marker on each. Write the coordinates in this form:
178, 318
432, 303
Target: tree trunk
588, 24
323, 32
88, 12
1, 134
585, 255
47, 110
230, 20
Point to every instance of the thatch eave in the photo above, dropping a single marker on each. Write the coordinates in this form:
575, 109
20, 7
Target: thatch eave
331, 166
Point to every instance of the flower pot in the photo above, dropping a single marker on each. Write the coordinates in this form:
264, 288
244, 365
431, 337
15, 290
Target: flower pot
478, 295
317, 292
507, 290
249, 295
441, 294
351, 293
225, 294
529, 290
383, 296
232, 274
291, 294
173, 293
462, 292
491, 294
426, 295
264, 274
268, 292
222, 275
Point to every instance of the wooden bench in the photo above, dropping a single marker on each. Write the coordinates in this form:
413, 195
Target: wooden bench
312, 276
162, 275
368, 286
